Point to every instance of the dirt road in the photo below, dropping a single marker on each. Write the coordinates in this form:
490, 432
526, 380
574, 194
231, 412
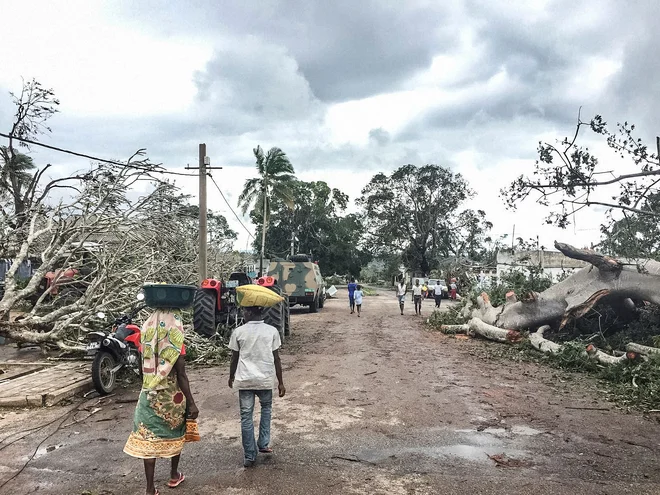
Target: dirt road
374, 405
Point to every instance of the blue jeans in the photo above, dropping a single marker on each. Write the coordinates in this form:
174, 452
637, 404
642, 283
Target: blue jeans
246, 402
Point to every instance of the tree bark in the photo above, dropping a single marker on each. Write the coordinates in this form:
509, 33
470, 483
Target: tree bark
541, 343
576, 295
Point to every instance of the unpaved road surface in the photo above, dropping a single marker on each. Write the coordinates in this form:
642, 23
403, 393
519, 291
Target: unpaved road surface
374, 405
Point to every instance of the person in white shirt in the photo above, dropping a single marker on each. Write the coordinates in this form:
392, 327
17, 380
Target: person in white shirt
358, 295
437, 293
255, 363
401, 290
417, 297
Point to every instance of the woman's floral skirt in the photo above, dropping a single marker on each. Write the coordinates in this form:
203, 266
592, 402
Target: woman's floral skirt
159, 424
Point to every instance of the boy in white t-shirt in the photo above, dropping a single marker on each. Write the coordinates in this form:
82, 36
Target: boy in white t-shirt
358, 295
255, 363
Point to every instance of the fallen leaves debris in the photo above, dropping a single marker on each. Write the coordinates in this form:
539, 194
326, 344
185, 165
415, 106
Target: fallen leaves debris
501, 460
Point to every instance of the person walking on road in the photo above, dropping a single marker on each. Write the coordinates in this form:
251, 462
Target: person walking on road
159, 423
437, 293
351, 294
452, 289
417, 297
358, 294
401, 290
255, 362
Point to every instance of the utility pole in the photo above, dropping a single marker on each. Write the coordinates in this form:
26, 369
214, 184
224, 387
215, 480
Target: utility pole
204, 167
203, 208
293, 241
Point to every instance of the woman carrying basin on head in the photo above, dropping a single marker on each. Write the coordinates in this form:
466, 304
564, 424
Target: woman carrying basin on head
159, 424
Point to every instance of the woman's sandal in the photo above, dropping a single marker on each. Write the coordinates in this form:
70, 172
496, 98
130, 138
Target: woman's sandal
173, 483
266, 450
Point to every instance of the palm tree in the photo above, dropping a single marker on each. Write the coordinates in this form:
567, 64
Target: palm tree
274, 181
15, 176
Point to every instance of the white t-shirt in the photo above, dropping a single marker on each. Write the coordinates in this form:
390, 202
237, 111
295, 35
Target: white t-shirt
255, 342
358, 294
437, 289
401, 289
417, 290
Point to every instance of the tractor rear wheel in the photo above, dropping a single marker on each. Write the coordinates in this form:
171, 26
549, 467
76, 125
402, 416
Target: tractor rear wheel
204, 312
274, 316
287, 317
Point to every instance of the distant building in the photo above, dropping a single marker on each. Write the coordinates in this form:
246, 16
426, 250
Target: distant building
553, 263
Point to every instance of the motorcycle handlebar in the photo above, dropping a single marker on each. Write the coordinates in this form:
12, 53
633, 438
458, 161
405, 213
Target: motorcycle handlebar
127, 317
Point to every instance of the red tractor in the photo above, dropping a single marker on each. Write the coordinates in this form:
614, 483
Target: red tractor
216, 311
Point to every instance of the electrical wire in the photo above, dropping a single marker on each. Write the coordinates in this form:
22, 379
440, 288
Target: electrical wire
95, 158
232, 210
119, 164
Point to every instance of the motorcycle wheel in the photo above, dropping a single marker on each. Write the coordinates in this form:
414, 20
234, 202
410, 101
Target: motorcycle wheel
102, 376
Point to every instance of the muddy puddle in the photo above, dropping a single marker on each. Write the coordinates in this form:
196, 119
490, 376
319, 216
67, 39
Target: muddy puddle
465, 444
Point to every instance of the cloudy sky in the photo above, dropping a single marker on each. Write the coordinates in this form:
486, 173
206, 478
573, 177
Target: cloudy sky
346, 88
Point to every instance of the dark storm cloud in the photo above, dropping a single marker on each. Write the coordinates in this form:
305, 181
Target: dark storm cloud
345, 49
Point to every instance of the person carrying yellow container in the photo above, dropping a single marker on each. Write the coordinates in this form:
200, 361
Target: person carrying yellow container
255, 363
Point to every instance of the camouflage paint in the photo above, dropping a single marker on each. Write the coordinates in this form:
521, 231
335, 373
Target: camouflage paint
295, 277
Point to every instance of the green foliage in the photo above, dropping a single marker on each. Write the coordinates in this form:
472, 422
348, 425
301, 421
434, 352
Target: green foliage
273, 183
321, 228
381, 269
334, 280
519, 281
635, 383
450, 316
415, 211
368, 291
616, 380
567, 176
637, 235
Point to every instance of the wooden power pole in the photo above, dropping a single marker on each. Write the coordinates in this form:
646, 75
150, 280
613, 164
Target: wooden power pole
204, 167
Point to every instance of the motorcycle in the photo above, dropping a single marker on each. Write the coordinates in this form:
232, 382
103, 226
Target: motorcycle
115, 349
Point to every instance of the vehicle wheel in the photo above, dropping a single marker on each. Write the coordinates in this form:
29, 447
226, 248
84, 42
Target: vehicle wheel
321, 300
274, 316
314, 306
204, 312
287, 318
102, 375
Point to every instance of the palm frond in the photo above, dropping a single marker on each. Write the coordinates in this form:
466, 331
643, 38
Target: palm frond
250, 191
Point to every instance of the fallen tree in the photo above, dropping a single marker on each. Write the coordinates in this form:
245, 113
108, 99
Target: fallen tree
607, 281
88, 240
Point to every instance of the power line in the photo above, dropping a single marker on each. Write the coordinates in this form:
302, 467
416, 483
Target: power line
95, 158
232, 210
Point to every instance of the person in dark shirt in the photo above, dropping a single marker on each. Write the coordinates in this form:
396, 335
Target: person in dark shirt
352, 286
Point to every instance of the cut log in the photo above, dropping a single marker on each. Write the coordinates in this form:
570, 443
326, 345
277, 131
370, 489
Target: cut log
602, 357
491, 332
642, 349
452, 329
541, 343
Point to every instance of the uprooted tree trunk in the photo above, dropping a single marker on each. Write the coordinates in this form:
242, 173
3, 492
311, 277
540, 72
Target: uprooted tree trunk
606, 279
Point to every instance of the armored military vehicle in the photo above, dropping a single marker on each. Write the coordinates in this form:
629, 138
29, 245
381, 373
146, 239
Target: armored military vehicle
300, 279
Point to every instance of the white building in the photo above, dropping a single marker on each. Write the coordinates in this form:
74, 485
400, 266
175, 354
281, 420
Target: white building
553, 263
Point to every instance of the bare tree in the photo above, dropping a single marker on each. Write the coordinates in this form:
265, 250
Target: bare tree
567, 177
94, 246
